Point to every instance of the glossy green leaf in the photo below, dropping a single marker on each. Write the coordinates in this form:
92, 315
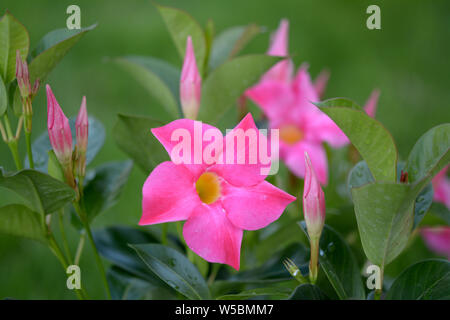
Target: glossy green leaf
181, 25
174, 269
228, 43
384, 219
308, 292
371, 139
226, 83
425, 280
18, 220
339, 264
104, 185
132, 134
41, 146
3, 97
13, 36
359, 176
159, 78
279, 293
55, 169
43, 193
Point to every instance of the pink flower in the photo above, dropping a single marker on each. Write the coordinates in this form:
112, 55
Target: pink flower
190, 83
303, 127
321, 82
371, 104
437, 239
441, 186
82, 131
218, 201
58, 130
313, 201
23, 79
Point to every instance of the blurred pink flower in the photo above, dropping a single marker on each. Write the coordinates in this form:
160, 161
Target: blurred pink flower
190, 83
218, 201
441, 186
371, 104
437, 239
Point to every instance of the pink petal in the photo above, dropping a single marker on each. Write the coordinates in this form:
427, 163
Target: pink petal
168, 194
305, 90
255, 207
194, 131
279, 42
321, 82
322, 129
293, 156
210, 234
438, 239
280, 72
371, 104
248, 171
441, 185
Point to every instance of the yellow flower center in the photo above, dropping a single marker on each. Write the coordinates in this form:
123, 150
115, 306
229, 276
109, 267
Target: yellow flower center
208, 187
291, 134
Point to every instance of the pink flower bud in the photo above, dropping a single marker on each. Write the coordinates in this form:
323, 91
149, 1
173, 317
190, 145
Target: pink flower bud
313, 201
190, 83
59, 130
371, 104
23, 79
82, 129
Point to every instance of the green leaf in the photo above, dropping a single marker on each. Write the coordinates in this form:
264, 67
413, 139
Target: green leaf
359, 176
384, 219
339, 264
3, 97
43, 193
104, 185
126, 286
228, 43
371, 139
258, 292
18, 220
181, 25
41, 146
13, 36
159, 78
132, 134
425, 280
51, 49
308, 292
174, 269
226, 83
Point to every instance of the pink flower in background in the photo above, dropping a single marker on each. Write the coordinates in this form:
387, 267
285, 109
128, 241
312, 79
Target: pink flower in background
441, 186
371, 104
190, 83
218, 201
437, 239
286, 101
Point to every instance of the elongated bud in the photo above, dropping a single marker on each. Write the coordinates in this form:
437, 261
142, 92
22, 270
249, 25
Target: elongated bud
82, 130
320, 83
60, 135
371, 104
314, 211
313, 201
190, 83
23, 78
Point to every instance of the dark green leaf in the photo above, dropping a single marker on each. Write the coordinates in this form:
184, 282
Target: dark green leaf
258, 292
371, 139
13, 37
339, 264
425, 280
20, 221
3, 97
228, 43
308, 292
41, 146
359, 176
226, 83
174, 269
132, 134
43, 193
181, 25
158, 77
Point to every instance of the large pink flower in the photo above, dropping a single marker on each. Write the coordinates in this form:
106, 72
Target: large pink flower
218, 201
441, 186
438, 239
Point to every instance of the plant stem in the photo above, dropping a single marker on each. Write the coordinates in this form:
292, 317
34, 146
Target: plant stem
164, 234
314, 262
12, 142
80, 247
83, 218
29, 150
215, 270
63, 236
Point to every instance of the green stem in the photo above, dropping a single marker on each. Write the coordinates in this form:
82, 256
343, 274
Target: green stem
212, 276
29, 150
63, 236
80, 247
83, 218
314, 262
12, 143
164, 234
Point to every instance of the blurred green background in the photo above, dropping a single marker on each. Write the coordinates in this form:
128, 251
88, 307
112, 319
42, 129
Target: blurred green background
408, 60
